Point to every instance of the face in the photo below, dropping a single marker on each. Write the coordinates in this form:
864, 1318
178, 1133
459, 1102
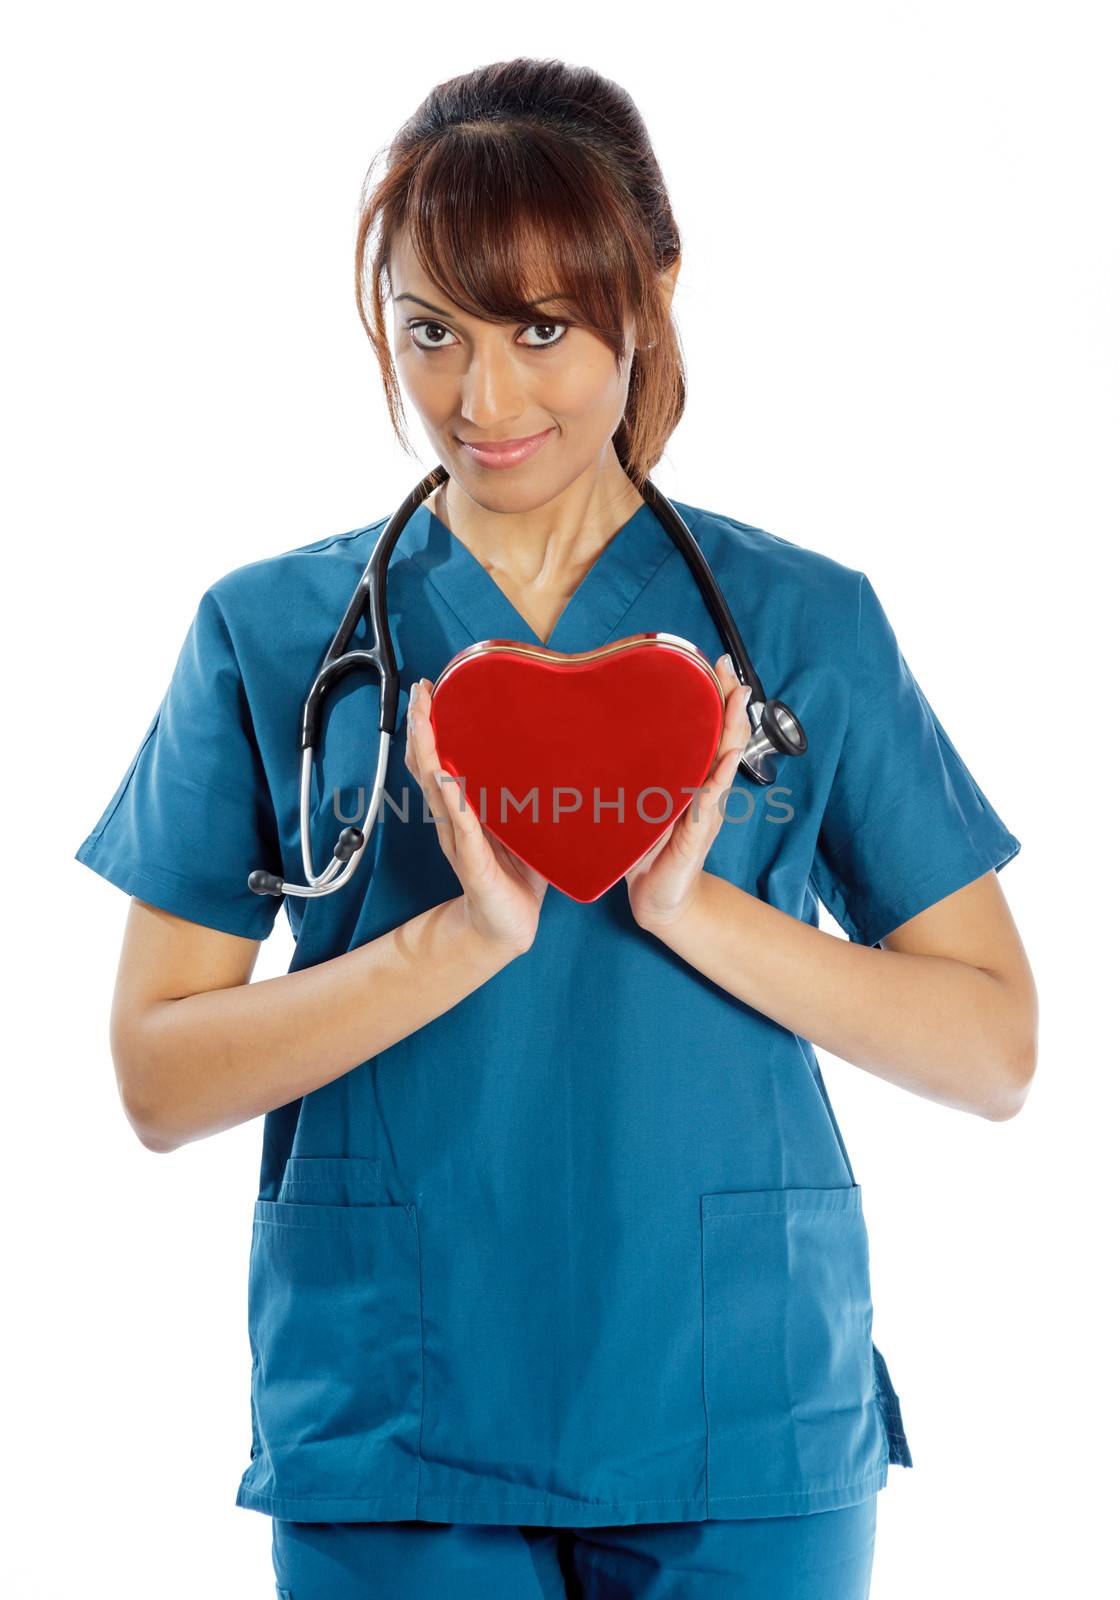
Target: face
474, 382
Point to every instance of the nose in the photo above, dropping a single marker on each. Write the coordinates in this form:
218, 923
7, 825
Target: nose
493, 388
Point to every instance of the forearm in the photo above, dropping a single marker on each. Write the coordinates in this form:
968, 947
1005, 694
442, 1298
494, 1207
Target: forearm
220, 1057
934, 1026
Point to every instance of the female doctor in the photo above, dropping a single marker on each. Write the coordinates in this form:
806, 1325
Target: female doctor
558, 1280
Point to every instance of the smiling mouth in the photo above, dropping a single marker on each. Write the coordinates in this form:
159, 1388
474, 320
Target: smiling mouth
505, 452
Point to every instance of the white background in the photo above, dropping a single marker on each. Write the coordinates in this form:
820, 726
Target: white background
898, 308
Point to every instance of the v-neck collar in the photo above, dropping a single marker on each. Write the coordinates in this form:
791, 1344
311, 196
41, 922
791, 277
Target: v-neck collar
604, 595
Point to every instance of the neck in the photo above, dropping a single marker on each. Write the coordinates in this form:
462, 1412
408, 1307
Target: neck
547, 542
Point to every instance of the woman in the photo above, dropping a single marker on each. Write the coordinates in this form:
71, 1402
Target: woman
559, 1278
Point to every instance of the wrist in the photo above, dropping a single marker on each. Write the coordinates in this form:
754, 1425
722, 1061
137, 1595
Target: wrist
491, 949
673, 924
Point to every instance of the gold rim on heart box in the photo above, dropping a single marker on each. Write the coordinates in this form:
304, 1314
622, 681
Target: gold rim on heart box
541, 652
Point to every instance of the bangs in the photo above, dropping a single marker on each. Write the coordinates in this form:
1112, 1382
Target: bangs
501, 216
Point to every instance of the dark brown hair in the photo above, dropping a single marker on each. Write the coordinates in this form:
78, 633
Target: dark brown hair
534, 161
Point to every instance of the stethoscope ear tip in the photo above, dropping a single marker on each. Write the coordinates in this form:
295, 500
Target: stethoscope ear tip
349, 840
262, 882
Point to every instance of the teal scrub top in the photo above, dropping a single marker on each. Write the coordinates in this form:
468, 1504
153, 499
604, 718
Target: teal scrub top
588, 1248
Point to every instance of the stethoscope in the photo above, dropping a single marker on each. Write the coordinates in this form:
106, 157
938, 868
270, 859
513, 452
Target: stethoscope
776, 731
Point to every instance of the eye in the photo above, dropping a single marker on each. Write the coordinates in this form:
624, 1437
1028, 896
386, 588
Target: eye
548, 345
428, 327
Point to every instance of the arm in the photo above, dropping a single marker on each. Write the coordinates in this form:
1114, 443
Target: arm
198, 1048
948, 1009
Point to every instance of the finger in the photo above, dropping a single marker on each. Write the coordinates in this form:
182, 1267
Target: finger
514, 864
425, 742
733, 735
476, 860
643, 863
470, 843
704, 818
736, 731
736, 722
460, 815
423, 748
698, 824
735, 695
478, 850
416, 752
689, 835
409, 742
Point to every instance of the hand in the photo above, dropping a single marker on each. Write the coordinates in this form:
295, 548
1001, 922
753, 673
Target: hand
503, 895
663, 883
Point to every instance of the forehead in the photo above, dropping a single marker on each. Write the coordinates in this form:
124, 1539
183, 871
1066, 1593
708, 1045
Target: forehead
407, 275
404, 264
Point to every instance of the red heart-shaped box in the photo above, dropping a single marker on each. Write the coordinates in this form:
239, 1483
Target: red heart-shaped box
606, 747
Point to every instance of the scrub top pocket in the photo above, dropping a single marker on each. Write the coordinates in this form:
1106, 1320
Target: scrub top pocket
789, 1370
333, 1180
335, 1333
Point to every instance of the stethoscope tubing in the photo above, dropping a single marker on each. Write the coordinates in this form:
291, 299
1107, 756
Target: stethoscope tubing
775, 729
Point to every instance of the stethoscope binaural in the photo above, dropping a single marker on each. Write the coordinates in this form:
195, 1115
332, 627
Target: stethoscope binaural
776, 731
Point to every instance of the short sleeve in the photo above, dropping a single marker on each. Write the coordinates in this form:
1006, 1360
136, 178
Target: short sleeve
905, 822
192, 815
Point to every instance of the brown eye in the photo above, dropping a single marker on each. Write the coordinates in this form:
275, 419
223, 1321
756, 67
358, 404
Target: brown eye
548, 327
429, 328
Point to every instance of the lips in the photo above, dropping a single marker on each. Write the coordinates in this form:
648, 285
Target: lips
507, 452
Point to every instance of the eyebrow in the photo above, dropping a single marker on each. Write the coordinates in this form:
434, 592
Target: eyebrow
545, 300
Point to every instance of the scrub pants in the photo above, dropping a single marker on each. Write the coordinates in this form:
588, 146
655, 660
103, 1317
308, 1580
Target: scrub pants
823, 1555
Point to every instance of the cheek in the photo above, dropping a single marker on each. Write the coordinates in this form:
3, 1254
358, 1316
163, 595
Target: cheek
587, 388
428, 391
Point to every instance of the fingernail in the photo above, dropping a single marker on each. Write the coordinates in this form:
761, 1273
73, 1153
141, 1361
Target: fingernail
725, 661
746, 696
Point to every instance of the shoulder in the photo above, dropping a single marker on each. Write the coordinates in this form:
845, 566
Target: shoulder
765, 568
293, 593
305, 566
